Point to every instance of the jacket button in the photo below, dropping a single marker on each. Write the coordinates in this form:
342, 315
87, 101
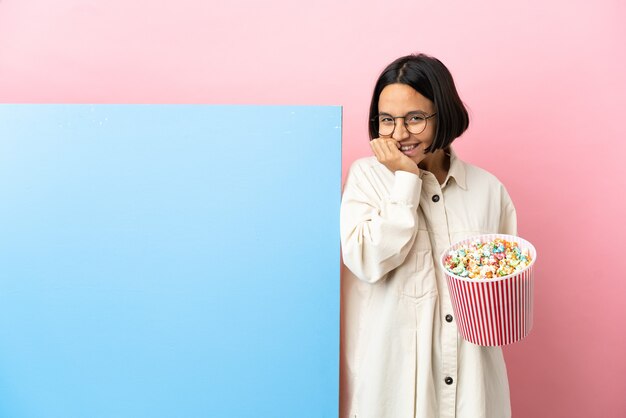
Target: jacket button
448, 380
436, 198
449, 318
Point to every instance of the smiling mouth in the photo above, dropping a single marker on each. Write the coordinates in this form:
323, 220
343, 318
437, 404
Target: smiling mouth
408, 147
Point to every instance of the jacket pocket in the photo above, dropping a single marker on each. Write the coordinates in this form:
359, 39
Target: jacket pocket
419, 278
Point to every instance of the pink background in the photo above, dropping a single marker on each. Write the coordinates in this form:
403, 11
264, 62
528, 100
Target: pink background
545, 83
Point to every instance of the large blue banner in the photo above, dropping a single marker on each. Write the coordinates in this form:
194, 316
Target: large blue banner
169, 261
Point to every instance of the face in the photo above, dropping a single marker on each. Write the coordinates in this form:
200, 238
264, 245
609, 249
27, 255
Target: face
398, 100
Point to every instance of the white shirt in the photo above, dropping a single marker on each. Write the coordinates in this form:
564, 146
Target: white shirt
401, 357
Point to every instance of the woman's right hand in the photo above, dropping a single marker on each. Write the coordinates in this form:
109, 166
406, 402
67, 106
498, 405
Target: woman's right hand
387, 151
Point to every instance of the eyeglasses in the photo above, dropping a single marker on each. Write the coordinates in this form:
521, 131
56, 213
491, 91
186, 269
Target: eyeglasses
415, 122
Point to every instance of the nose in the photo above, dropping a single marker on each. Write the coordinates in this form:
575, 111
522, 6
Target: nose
400, 132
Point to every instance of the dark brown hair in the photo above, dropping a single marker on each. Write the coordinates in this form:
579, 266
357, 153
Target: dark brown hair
429, 77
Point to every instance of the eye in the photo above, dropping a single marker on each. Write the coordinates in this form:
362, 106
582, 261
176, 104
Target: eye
415, 118
385, 119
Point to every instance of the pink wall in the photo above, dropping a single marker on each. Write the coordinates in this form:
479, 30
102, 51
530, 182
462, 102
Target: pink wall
545, 82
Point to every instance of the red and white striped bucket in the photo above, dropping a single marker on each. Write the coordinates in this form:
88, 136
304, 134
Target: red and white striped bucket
493, 312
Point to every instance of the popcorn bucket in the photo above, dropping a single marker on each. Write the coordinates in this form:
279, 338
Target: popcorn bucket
493, 312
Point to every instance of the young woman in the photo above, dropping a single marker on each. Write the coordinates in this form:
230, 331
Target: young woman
401, 208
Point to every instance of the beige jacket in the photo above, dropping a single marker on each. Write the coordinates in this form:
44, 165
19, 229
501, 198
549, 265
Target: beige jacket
403, 356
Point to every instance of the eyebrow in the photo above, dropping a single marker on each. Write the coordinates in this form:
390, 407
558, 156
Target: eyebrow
408, 113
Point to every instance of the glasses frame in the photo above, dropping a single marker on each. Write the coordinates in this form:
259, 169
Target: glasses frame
406, 126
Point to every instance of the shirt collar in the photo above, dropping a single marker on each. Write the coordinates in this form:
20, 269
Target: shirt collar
457, 170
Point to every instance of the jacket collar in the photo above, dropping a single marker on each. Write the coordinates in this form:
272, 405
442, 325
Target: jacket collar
457, 170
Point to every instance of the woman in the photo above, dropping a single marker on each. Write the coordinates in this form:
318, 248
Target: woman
401, 208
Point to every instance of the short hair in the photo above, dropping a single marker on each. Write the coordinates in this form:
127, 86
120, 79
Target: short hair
429, 77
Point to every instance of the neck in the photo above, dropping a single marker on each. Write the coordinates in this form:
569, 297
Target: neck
436, 162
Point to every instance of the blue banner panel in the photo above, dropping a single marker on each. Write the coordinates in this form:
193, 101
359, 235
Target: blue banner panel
169, 261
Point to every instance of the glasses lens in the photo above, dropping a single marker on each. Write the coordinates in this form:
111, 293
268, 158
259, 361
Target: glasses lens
385, 124
415, 123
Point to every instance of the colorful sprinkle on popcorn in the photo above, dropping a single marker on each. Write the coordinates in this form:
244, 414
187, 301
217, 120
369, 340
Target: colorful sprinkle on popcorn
487, 260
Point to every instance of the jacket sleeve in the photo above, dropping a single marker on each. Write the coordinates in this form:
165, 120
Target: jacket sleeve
377, 232
508, 216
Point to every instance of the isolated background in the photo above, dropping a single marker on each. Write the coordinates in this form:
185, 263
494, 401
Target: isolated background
544, 81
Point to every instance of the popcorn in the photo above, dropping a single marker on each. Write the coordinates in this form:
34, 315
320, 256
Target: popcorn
487, 260
490, 282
